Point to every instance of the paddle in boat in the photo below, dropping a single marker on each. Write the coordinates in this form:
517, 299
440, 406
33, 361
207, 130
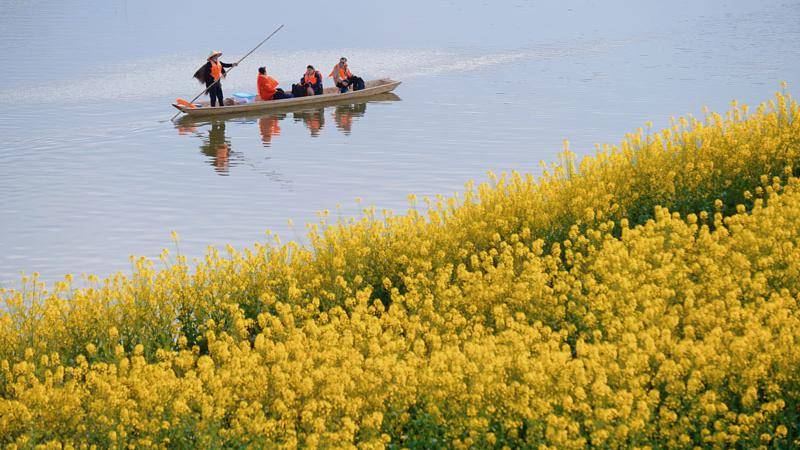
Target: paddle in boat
329, 95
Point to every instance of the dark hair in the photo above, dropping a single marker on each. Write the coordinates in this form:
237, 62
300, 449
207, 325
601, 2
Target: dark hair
310, 67
262, 70
343, 58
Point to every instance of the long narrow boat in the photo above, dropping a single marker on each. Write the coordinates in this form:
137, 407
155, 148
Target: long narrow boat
186, 120
329, 95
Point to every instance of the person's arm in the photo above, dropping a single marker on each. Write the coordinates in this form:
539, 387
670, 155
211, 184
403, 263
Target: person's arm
226, 66
319, 80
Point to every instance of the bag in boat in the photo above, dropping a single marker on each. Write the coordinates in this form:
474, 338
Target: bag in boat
244, 97
358, 83
298, 90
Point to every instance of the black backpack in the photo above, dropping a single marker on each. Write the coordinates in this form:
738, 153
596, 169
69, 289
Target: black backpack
358, 83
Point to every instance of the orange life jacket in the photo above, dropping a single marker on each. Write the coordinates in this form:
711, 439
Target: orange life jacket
310, 79
343, 73
216, 69
185, 103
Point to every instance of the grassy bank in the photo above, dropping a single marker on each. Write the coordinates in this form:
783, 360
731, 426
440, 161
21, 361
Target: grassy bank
647, 296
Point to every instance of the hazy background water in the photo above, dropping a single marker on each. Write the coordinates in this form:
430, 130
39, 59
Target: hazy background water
92, 170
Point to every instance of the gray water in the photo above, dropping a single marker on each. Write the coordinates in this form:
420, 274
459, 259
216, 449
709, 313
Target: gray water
92, 170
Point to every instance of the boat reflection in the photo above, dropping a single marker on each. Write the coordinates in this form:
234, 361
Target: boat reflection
216, 145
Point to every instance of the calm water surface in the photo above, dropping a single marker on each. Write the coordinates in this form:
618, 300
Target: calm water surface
92, 170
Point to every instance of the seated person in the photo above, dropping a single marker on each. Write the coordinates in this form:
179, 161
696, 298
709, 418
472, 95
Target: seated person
344, 79
310, 84
268, 87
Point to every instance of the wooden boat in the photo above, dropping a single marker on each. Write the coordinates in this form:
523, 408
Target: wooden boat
249, 116
329, 95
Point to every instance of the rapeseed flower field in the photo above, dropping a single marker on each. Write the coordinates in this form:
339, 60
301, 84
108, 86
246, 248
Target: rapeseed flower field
644, 297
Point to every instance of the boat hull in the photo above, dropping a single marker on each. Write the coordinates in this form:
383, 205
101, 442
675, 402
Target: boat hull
330, 95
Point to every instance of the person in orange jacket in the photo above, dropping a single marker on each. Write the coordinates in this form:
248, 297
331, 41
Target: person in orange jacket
343, 78
268, 87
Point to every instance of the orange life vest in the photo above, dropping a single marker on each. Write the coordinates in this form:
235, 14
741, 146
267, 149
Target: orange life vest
185, 103
343, 73
310, 79
216, 69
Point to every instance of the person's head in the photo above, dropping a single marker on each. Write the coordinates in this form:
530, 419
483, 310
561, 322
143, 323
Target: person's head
342, 61
262, 70
310, 70
214, 56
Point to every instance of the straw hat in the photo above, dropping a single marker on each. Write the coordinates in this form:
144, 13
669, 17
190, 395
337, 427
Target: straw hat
214, 53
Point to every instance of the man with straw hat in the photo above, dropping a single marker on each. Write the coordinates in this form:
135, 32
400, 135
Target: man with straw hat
211, 74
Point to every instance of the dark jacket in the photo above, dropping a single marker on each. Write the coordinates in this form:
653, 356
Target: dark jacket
316, 86
203, 74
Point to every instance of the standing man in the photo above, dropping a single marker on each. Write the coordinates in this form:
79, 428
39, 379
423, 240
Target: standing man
344, 78
211, 74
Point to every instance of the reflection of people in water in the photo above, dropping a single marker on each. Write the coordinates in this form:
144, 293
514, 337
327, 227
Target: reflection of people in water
269, 127
314, 120
217, 147
343, 115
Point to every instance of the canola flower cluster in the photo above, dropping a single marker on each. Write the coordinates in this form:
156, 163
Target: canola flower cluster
645, 298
